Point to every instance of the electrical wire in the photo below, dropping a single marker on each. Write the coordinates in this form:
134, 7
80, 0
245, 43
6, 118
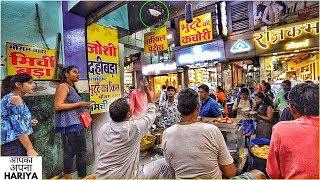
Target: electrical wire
40, 30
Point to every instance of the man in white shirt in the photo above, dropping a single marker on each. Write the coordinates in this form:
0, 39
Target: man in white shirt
119, 141
195, 149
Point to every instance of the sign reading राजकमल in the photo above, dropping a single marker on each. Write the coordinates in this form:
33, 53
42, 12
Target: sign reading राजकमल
289, 37
103, 66
199, 31
38, 62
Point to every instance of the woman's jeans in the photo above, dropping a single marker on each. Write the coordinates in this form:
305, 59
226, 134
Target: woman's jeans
74, 144
13, 148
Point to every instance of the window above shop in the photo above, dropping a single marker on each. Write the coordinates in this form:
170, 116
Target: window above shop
238, 16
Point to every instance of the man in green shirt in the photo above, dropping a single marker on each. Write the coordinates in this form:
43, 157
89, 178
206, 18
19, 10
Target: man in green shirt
280, 100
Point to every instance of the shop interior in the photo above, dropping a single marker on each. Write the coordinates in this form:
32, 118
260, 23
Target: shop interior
168, 80
295, 67
207, 73
242, 70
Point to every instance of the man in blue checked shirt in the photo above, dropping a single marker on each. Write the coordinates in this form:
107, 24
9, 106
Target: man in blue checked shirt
209, 107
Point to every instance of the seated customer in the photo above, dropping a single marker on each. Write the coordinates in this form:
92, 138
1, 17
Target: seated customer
194, 149
209, 107
294, 148
119, 140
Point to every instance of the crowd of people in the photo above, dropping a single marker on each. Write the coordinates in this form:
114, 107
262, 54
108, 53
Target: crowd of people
17, 122
192, 147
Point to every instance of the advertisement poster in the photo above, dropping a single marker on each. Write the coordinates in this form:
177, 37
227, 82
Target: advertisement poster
103, 66
156, 41
268, 13
19, 167
199, 31
40, 63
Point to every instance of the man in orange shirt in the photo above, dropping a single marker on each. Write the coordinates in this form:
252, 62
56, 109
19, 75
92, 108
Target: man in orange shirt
294, 148
222, 99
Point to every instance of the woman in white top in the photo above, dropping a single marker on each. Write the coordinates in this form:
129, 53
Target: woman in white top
243, 104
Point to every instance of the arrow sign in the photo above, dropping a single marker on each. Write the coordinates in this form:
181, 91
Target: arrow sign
240, 46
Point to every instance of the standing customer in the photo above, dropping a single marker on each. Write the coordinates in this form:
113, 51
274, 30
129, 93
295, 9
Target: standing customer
16, 121
209, 107
286, 114
280, 101
294, 149
221, 96
68, 105
266, 88
169, 114
264, 115
243, 103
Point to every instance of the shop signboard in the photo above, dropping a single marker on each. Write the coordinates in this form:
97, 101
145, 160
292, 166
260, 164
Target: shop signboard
268, 13
213, 51
199, 31
159, 68
103, 66
240, 46
290, 38
40, 63
156, 41
127, 78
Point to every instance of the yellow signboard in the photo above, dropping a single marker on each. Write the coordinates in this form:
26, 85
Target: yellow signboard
40, 63
199, 31
156, 41
103, 66
266, 39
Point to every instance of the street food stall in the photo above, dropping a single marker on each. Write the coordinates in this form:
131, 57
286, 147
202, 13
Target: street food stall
230, 128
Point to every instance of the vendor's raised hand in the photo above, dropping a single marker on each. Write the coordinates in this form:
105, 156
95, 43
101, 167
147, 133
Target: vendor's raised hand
34, 122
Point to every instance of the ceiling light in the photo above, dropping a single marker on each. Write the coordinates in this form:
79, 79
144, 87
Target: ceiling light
154, 12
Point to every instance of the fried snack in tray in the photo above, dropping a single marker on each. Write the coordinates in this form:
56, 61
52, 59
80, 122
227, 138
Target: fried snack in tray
261, 152
220, 120
147, 142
